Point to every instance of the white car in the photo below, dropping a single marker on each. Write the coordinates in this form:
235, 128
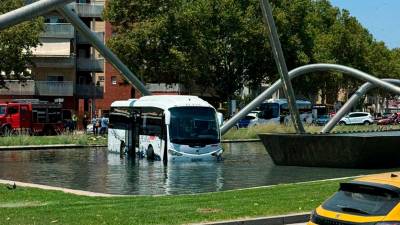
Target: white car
247, 120
357, 118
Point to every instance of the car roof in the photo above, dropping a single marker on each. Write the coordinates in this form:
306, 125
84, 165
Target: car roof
359, 112
392, 179
365, 113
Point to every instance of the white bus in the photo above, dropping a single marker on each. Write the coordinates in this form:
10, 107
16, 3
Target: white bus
277, 111
165, 127
120, 126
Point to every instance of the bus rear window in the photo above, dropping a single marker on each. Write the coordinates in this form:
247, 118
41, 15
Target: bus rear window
362, 200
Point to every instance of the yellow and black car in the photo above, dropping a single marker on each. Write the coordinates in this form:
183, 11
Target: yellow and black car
373, 199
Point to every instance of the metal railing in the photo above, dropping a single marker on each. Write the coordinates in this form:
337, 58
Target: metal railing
90, 65
89, 91
88, 9
54, 88
82, 40
58, 30
54, 61
15, 87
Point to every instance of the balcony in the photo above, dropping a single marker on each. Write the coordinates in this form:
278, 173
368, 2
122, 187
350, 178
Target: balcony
83, 40
90, 65
54, 88
89, 91
54, 61
16, 87
88, 9
58, 30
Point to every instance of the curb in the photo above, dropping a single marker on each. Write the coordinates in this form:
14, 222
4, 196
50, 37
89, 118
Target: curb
273, 220
40, 147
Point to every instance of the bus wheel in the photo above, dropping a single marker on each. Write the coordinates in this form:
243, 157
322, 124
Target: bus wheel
150, 153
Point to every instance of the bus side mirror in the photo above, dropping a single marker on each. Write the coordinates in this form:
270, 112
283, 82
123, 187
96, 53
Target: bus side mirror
220, 118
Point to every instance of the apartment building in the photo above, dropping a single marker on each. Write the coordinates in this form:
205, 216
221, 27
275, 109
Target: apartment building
68, 69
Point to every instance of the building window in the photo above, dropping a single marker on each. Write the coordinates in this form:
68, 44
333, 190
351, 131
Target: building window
114, 80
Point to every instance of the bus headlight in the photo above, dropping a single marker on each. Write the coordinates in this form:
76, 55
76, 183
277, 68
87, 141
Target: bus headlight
174, 153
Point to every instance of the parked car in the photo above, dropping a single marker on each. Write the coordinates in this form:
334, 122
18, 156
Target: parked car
392, 119
372, 199
243, 123
322, 120
357, 118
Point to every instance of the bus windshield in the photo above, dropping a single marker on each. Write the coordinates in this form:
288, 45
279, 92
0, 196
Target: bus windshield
193, 125
2, 109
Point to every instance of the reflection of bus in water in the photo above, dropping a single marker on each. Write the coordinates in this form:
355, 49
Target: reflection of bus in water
277, 111
165, 127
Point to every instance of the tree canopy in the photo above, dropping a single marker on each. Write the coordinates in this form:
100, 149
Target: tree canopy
15, 45
222, 45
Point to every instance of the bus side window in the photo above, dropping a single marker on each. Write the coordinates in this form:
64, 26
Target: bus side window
152, 121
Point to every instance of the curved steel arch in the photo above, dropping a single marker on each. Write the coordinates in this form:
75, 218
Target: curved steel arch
351, 102
301, 71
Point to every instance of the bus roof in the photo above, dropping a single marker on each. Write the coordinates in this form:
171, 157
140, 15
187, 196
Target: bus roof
168, 101
163, 101
284, 101
123, 103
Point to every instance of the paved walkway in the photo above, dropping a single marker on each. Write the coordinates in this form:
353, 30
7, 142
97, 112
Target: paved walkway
292, 219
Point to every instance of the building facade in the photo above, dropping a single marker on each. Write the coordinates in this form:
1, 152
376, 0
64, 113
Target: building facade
69, 70
67, 67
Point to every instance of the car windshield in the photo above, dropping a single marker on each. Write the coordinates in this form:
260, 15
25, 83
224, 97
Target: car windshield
362, 200
193, 125
2, 109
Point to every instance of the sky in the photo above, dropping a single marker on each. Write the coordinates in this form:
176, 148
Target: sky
380, 17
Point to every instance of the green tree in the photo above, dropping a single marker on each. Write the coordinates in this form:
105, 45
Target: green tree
222, 45
15, 45
218, 45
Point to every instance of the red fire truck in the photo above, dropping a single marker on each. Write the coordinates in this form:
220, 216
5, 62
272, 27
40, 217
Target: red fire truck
32, 117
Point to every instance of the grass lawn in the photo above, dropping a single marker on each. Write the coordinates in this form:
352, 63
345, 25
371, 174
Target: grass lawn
35, 206
79, 139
